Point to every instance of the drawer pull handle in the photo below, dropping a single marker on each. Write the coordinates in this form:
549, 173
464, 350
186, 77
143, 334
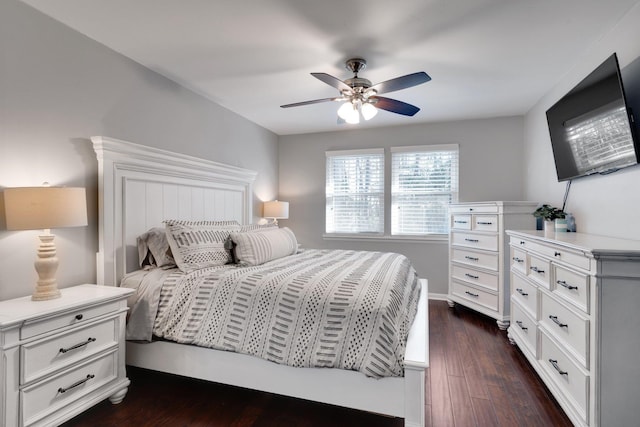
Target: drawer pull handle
519, 323
76, 384
557, 254
472, 294
460, 222
484, 223
536, 269
523, 243
555, 365
472, 240
73, 347
516, 259
555, 320
472, 276
79, 316
566, 285
521, 292
471, 258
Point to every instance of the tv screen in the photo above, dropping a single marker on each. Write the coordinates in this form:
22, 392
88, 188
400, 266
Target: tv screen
591, 127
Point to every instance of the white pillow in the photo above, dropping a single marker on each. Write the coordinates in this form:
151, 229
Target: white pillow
258, 247
199, 244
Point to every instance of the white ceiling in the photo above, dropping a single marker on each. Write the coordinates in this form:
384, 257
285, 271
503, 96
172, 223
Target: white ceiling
487, 58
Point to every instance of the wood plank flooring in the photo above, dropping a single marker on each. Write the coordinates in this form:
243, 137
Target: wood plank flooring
476, 378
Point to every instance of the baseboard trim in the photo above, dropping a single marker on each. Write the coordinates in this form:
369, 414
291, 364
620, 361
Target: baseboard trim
438, 297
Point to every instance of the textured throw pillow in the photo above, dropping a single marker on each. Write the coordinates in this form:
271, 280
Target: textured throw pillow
153, 248
255, 248
247, 228
199, 244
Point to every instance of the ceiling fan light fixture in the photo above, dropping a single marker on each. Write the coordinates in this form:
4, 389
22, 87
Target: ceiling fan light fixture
368, 111
349, 113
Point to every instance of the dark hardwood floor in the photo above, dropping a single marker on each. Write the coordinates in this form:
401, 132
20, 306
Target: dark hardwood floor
476, 378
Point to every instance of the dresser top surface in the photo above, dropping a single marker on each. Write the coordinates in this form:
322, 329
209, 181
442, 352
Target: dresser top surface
598, 245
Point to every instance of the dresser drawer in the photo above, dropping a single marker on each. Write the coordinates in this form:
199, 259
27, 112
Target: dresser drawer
519, 260
486, 280
525, 327
485, 222
461, 222
525, 293
76, 317
56, 352
45, 397
478, 241
539, 270
571, 330
478, 259
566, 374
572, 286
469, 293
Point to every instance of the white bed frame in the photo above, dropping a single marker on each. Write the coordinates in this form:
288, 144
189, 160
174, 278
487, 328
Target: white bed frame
141, 186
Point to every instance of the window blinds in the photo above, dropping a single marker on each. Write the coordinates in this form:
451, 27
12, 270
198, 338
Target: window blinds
424, 181
355, 191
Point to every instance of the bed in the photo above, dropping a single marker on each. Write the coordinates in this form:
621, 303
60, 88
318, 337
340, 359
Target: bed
139, 187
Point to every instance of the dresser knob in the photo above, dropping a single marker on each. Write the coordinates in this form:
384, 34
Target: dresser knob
79, 316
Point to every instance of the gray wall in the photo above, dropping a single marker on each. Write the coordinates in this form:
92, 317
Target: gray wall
491, 160
58, 88
605, 205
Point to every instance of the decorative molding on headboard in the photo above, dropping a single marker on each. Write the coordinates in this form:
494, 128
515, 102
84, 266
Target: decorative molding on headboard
124, 166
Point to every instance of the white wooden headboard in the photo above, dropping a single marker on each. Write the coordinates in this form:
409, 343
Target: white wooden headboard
140, 186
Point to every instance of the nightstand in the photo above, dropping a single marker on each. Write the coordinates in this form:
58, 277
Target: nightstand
60, 357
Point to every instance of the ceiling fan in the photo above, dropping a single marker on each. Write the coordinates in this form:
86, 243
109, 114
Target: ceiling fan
360, 97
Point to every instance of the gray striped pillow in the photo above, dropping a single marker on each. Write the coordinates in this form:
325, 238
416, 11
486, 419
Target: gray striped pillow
258, 247
199, 244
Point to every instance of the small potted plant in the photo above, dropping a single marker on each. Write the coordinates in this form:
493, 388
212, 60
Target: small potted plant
549, 214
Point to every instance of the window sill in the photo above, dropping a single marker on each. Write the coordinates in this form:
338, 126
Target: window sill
439, 238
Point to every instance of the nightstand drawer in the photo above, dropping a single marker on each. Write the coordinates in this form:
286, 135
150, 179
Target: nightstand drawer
45, 356
46, 397
76, 317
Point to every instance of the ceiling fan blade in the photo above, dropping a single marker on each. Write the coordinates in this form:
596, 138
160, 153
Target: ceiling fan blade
332, 81
395, 106
314, 101
401, 82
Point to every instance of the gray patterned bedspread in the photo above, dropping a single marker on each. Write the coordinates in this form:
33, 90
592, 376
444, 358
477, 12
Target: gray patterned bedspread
319, 308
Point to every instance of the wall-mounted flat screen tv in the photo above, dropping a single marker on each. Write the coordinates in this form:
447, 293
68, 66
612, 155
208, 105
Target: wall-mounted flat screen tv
592, 129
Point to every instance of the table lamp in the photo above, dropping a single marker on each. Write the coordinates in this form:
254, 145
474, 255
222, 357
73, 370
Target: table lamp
32, 208
276, 210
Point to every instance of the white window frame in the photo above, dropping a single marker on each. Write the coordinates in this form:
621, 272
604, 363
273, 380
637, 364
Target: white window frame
331, 193
451, 194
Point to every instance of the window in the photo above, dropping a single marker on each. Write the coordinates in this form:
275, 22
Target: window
424, 180
355, 191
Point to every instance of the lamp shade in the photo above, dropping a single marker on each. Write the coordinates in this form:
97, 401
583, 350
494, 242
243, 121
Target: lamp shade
276, 209
32, 208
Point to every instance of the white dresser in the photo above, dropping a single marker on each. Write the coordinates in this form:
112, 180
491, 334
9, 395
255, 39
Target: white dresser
575, 309
62, 356
478, 254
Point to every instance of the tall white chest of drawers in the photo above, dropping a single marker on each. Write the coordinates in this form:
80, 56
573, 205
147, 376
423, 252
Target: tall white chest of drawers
478, 254
575, 310
59, 357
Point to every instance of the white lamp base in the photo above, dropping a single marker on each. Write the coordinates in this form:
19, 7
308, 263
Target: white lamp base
46, 265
